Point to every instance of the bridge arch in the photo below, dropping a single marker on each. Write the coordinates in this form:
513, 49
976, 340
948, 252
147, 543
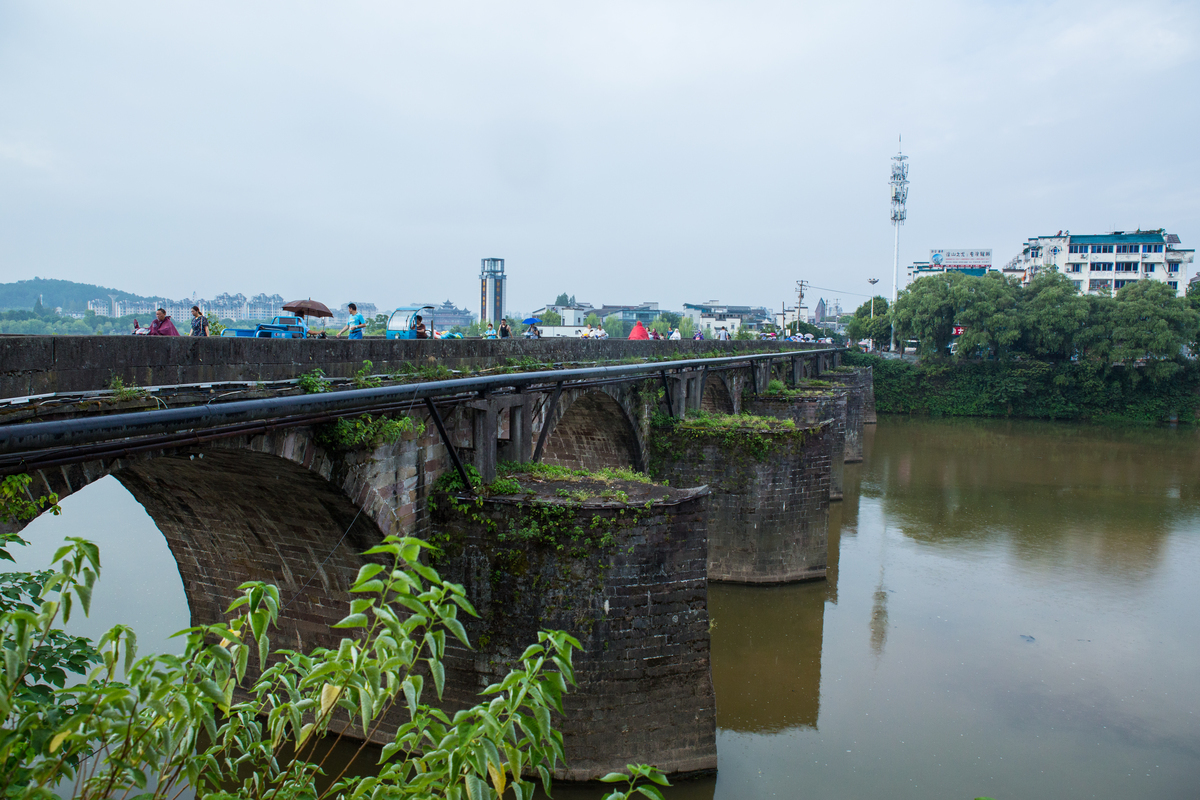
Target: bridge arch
595, 428
716, 397
274, 508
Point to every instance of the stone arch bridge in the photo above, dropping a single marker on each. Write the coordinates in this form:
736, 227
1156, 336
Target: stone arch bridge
246, 489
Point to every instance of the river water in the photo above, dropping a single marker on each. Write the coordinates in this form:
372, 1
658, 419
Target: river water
1011, 610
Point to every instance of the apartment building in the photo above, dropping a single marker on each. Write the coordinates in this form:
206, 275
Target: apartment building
1105, 262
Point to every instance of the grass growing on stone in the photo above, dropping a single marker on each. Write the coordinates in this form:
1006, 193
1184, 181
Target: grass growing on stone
561, 523
409, 372
756, 437
806, 388
122, 391
707, 420
553, 472
366, 431
313, 382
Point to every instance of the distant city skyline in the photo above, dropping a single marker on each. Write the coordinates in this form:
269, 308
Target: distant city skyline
620, 151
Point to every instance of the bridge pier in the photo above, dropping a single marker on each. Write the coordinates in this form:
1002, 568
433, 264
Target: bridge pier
768, 521
627, 579
857, 383
809, 407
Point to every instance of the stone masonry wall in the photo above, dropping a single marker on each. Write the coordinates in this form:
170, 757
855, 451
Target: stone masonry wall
639, 609
31, 365
857, 383
869, 417
807, 409
768, 521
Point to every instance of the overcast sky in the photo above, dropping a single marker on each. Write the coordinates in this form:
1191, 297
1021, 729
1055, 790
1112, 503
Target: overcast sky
619, 151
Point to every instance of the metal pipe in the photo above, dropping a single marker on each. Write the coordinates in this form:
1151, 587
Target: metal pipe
179, 422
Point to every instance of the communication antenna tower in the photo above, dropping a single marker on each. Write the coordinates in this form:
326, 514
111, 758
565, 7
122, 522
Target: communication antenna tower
899, 184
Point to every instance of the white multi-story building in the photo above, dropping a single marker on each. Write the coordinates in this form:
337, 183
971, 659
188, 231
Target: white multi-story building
1106, 262
575, 315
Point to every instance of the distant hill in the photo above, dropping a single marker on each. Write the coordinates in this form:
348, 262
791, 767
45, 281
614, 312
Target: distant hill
68, 295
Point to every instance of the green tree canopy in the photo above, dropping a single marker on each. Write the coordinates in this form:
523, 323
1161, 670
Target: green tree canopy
926, 310
871, 321
552, 318
1144, 325
986, 307
1052, 313
1151, 324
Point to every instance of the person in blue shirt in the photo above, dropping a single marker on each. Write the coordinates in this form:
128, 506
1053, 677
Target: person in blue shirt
355, 325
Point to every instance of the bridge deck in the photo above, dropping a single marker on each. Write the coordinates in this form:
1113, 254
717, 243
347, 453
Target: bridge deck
37, 365
31, 444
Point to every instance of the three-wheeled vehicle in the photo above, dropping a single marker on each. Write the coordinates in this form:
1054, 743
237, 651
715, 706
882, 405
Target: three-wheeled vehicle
281, 327
402, 324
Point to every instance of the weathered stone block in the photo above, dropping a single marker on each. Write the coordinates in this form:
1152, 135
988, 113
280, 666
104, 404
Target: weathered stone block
631, 588
857, 381
768, 521
806, 407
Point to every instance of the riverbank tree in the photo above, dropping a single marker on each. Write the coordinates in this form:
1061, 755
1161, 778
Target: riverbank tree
871, 321
1043, 350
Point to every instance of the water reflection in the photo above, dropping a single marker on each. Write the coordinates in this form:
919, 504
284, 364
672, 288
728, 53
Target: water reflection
767, 655
879, 621
1099, 499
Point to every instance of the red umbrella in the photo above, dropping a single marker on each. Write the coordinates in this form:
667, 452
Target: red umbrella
308, 308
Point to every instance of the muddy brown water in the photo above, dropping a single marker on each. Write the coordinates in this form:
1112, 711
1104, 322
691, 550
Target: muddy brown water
1011, 611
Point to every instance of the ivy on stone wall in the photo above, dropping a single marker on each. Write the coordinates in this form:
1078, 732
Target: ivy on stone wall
551, 516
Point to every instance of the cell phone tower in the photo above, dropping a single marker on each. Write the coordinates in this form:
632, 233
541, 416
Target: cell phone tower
899, 183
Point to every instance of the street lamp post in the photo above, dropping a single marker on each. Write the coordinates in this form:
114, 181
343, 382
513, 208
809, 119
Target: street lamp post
872, 281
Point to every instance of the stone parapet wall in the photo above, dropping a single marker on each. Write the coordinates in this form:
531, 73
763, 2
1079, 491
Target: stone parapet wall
31, 365
638, 606
816, 406
768, 521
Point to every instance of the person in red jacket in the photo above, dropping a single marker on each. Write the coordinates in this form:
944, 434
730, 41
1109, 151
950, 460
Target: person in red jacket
639, 331
162, 325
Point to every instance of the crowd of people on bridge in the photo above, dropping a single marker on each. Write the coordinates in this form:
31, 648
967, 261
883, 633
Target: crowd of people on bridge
356, 324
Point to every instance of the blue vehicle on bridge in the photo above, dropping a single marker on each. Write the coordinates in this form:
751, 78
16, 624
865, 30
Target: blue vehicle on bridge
402, 324
286, 326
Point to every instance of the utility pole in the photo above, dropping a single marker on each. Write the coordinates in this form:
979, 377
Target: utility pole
899, 184
800, 287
